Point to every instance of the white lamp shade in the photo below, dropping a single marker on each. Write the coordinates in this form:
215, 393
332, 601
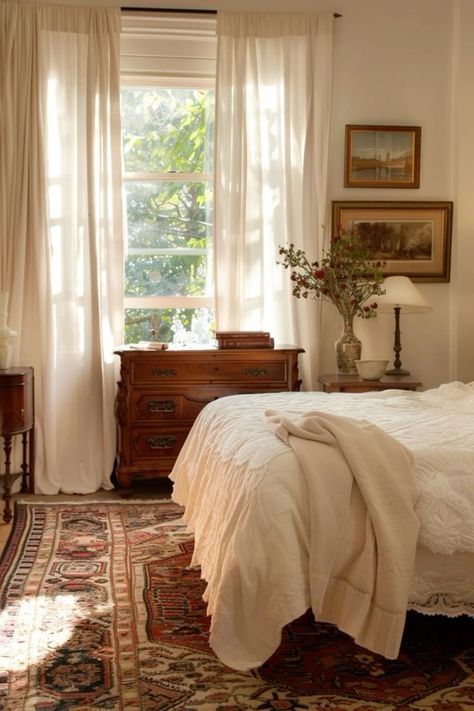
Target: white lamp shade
400, 291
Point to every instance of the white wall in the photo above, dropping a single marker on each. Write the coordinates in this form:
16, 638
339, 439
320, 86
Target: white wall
461, 315
413, 63
394, 65
407, 62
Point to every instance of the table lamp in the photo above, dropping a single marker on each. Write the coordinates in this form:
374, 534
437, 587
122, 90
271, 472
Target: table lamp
401, 295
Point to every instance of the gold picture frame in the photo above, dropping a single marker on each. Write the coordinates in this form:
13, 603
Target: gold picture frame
412, 238
382, 156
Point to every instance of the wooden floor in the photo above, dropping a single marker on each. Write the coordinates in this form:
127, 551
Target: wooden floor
161, 490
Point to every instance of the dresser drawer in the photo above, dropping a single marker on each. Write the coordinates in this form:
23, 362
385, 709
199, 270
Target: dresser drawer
168, 405
210, 370
16, 400
163, 406
149, 444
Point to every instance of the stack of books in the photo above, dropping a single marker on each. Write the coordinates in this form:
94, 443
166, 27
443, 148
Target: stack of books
243, 339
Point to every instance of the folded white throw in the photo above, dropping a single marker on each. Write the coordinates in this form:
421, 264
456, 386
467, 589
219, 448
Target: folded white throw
364, 530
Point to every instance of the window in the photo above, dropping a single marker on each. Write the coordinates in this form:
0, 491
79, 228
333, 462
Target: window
167, 103
167, 142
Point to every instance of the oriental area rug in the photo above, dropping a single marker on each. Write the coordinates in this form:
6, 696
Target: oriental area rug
100, 610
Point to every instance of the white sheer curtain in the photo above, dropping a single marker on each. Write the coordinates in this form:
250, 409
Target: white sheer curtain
274, 76
61, 228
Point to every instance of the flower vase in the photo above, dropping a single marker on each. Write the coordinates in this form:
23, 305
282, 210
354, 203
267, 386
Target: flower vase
348, 348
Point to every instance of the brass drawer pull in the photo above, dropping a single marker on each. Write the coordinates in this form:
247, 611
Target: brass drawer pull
163, 372
166, 442
161, 405
255, 372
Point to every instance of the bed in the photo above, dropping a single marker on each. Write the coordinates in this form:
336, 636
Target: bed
263, 518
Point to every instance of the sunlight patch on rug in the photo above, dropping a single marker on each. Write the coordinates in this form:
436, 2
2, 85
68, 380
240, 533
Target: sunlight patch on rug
41, 625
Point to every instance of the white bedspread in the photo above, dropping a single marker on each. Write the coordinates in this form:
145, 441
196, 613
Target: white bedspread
246, 501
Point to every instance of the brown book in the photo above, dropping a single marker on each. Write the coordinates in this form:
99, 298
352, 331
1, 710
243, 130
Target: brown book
243, 339
245, 343
253, 335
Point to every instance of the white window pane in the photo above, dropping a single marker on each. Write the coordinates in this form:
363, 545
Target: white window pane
168, 214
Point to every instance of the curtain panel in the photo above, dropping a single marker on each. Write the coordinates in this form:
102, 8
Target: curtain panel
61, 229
273, 99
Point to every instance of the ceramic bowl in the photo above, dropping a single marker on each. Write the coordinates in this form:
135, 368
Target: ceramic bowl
371, 369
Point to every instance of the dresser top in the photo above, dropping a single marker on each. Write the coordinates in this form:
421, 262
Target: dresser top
20, 370
173, 350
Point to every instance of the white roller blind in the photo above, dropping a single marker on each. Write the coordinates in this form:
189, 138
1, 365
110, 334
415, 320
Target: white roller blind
168, 45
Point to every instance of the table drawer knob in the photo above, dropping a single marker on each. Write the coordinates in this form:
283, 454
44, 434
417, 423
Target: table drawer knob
163, 372
255, 372
161, 405
163, 442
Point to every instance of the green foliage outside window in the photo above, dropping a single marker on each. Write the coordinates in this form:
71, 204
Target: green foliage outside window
167, 132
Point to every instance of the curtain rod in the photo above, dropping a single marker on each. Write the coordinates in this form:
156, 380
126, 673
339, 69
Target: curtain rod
195, 10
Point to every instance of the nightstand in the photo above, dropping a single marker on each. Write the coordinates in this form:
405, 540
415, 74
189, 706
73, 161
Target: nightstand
17, 417
337, 383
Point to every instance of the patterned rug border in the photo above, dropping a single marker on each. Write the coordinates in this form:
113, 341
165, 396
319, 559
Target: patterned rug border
6, 553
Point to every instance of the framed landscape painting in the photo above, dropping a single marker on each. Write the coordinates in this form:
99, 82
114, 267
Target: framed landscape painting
382, 157
412, 238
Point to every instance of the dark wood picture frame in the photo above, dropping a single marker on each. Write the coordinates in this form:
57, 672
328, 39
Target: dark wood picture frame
382, 156
413, 238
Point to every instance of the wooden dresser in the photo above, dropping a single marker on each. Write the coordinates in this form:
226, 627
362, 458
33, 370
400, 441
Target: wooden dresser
160, 394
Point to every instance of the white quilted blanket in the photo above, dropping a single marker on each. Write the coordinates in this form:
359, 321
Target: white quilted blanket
436, 425
246, 502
